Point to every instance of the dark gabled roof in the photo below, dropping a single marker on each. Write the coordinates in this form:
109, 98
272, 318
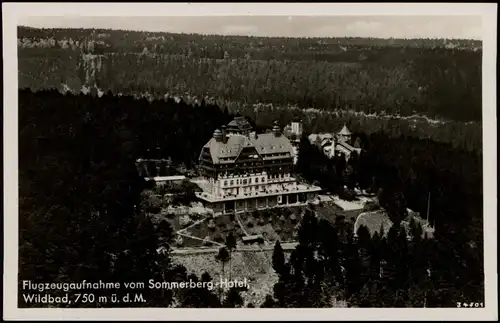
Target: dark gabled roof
265, 145
346, 146
268, 143
240, 123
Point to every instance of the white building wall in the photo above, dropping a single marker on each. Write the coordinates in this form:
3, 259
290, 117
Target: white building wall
251, 184
295, 154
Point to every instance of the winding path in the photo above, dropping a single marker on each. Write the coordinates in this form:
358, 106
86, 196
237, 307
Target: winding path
242, 248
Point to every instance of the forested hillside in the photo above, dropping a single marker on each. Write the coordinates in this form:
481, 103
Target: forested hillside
362, 78
80, 216
115, 40
399, 269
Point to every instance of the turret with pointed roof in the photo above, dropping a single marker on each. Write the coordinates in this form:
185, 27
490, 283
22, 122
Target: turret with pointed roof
345, 131
345, 134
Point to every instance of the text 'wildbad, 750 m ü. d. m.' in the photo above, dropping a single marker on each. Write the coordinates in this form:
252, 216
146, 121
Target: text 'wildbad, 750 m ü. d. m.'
82, 292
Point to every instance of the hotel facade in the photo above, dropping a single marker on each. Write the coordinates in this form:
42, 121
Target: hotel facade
244, 171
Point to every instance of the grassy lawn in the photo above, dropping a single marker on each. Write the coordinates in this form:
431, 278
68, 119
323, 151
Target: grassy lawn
284, 225
191, 243
331, 213
170, 218
274, 224
215, 228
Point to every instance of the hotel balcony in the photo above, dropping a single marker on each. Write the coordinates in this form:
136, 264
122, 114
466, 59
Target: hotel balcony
299, 188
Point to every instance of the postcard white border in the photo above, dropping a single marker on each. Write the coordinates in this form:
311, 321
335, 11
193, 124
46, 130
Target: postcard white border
11, 13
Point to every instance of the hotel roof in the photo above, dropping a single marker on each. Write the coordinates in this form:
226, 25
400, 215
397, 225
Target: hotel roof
347, 146
265, 144
239, 122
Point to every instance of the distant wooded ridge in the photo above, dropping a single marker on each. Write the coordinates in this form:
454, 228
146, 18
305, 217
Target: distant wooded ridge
25, 31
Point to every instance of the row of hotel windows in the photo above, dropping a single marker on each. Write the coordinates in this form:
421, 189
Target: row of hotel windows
248, 155
249, 189
245, 182
250, 164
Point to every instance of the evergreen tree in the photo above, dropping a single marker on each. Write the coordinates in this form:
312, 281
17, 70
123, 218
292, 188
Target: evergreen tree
278, 259
222, 257
230, 246
233, 298
268, 302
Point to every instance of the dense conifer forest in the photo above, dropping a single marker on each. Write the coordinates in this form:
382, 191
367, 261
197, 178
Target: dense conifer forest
424, 88
80, 216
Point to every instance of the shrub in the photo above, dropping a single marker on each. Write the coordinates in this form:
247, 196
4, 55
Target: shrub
179, 241
159, 189
151, 203
347, 195
196, 216
371, 206
218, 238
185, 220
206, 241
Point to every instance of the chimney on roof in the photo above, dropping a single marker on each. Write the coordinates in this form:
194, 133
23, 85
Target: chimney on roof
276, 129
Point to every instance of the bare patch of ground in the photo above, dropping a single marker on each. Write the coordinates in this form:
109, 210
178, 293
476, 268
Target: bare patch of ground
256, 267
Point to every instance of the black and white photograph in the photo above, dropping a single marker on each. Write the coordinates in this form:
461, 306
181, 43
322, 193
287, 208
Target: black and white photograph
178, 161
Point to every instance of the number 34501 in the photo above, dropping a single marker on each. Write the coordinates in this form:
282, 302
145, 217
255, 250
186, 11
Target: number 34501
470, 304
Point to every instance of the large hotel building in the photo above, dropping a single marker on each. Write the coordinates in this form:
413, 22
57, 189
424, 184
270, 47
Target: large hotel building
244, 171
